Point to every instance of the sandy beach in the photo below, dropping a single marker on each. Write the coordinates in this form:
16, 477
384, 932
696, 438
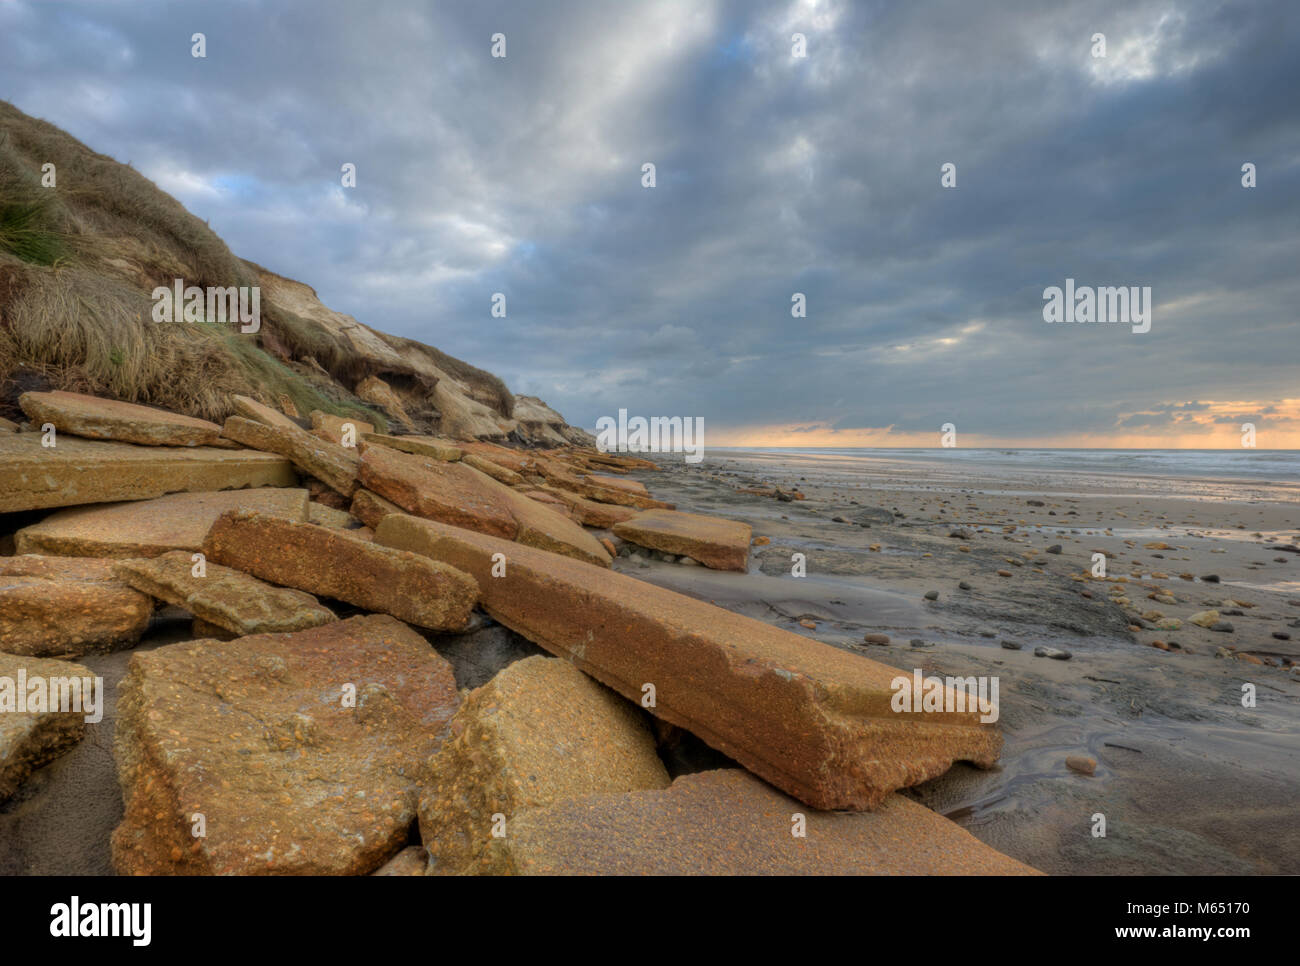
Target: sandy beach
1189, 780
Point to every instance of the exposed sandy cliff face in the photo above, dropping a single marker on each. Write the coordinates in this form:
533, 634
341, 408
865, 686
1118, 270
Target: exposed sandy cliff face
80, 259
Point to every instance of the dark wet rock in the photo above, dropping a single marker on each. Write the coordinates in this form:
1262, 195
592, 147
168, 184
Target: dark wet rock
1223, 627
1210, 578
931, 595
1011, 645
1055, 548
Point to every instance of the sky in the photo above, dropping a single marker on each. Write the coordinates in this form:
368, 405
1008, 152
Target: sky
775, 174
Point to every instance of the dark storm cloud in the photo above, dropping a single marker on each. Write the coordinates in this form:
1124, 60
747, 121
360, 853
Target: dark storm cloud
775, 176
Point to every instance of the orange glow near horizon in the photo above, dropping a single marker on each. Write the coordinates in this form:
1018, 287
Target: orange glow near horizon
1212, 425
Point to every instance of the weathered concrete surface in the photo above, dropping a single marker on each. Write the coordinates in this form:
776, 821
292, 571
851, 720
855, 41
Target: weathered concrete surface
77, 471
333, 465
65, 608
713, 541
255, 735
590, 513
260, 413
226, 597
460, 495
727, 822
370, 508
147, 528
499, 473
417, 446
37, 734
96, 418
330, 563
539, 732
813, 720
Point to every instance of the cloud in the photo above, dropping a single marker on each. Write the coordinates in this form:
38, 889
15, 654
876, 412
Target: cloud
775, 175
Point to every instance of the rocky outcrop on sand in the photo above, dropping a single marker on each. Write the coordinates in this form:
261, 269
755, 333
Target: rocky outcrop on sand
33, 734
51, 607
229, 599
77, 471
96, 418
713, 541
726, 822
328, 563
811, 719
497, 762
278, 753
460, 495
147, 528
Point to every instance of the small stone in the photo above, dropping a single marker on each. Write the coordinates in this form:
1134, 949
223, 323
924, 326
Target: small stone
931, 595
1211, 578
876, 638
1004, 573
1222, 627
1011, 645
1052, 652
1206, 618
1055, 548
1281, 636
1082, 764
963, 586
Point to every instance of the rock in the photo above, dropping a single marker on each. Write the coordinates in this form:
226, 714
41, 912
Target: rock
329, 563
410, 861
931, 595
961, 534
1004, 573
94, 418
715, 542
333, 428
1281, 636
55, 608
328, 516
374, 390
331, 464
259, 737
1052, 652
499, 473
30, 739
962, 585
418, 446
812, 719
538, 733
370, 508
1035, 503
8, 426
876, 638
1222, 627
226, 598
725, 822
1055, 548
1169, 624
259, 413
1211, 578
1206, 618
762, 541
1082, 764
1248, 658
590, 513
1010, 645
147, 528
460, 495
77, 471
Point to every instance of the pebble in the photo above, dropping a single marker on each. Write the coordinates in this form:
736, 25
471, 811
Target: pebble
1011, 645
1281, 636
1053, 653
1082, 764
1223, 627
1055, 548
1004, 573
917, 642
1210, 578
876, 638
931, 595
963, 586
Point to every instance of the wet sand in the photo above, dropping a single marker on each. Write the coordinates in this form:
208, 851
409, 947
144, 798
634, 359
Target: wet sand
1189, 780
